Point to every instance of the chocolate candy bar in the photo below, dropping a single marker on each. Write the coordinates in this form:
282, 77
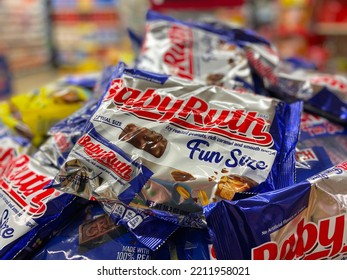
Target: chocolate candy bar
181, 176
144, 139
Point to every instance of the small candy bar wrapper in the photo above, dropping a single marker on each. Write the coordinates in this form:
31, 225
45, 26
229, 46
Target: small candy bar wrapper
306, 221
311, 161
173, 146
335, 146
154, 231
92, 235
197, 51
231, 31
28, 211
323, 94
314, 126
295, 63
319, 131
87, 81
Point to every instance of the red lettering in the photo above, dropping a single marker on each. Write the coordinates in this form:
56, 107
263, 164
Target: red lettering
243, 126
309, 242
343, 165
196, 107
179, 56
61, 141
329, 81
267, 251
26, 187
306, 232
288, 249
169, 112
106, 158
126, 94
148, 101
335, 240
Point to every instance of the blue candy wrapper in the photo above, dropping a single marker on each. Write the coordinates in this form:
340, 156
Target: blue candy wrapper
28, 211
92, 235
311, 161
166, 147
319, 131
306, 221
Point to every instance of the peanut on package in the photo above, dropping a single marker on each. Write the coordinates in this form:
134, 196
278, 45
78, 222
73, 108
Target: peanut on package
173, 146
306, 221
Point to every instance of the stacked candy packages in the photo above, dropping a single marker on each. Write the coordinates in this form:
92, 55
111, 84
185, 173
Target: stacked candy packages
211, 146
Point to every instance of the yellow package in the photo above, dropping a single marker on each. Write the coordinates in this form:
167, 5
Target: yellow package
32, 114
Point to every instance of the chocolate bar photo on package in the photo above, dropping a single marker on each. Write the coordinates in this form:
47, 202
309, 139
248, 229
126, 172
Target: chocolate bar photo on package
144, 139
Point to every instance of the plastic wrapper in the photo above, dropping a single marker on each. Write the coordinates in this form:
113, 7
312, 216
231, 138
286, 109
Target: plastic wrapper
87, 81
306, 221
311, 161
171, 146
205, 52
319, 131
28, 211
191, 244
151, 230
32, 114
92, 235
322, 93
63, 135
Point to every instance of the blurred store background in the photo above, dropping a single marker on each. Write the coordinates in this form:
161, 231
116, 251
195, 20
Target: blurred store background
42, 39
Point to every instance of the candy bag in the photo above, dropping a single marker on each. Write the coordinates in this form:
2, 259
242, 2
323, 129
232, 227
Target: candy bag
171, 146
305, 221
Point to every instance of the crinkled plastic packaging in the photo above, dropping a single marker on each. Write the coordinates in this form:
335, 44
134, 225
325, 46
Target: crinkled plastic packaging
63, 135
149, 229
306, 221
92, 235
28, 211
172, 146
204, 52
319, 131
32, 114
322, 94
311, 161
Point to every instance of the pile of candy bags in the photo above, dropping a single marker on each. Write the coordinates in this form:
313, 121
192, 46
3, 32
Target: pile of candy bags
210, 146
